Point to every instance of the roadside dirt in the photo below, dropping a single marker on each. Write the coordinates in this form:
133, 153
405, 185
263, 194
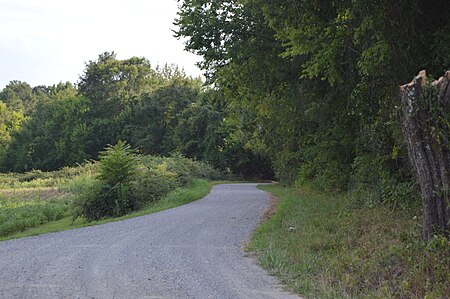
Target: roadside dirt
271, 209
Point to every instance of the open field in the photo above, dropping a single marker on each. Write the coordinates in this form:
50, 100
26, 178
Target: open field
30, 194
35, 198
39, 202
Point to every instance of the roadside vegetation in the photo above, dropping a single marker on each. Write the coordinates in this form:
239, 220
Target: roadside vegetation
327, 246
121, 183
33, 198
305, 92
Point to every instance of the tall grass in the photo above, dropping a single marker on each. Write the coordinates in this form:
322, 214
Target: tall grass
323, 246
16, 216
36, 198
39, 179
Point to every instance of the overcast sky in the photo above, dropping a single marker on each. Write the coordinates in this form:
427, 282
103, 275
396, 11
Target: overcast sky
43, 42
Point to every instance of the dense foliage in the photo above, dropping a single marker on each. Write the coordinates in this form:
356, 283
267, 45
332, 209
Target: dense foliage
113, 195
126, 182
159, 110
314, 84
121, 182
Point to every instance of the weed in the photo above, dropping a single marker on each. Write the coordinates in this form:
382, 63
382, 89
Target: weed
20, 215
339, 250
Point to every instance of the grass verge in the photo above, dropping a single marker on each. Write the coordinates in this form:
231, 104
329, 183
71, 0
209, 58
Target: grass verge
324, 246
180, 196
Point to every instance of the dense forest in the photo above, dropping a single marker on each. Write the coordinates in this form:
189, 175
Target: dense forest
305, 91
161, 111
314, 85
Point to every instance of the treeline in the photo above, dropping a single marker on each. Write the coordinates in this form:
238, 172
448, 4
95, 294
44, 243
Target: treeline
314, 85
307, 88
160, 111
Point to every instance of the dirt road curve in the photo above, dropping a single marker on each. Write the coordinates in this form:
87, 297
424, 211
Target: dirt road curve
193, 251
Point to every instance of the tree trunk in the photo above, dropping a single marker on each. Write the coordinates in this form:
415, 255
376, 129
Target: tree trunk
426, 122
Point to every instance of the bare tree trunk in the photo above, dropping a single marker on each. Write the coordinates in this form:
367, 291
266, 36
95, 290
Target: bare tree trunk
426, 126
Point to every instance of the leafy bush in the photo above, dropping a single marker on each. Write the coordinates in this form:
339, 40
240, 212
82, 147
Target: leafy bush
127, 182
158, 175
287, 166
372, 183
112, 195
154, 182
101, 201
117, 164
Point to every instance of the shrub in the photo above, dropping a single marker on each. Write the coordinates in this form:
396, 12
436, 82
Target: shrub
372, 183
154, 182
117, 164
127, 182
112, 195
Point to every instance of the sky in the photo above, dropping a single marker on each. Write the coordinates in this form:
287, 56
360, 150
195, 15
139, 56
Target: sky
44, 42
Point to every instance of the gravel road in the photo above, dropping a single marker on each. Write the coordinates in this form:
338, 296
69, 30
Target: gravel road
193, 251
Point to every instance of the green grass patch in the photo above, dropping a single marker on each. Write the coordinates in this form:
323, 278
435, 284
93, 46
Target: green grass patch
17, 216
196, 190
323, 246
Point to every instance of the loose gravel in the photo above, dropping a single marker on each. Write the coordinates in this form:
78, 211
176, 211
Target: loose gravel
193, 251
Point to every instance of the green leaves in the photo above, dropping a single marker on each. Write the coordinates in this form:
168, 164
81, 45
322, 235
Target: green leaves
53, 136
112, 195
117, 164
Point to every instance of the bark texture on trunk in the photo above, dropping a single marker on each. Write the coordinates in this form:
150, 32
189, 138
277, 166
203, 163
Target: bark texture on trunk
426, 122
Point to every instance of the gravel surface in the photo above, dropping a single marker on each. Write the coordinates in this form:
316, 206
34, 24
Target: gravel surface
193, 251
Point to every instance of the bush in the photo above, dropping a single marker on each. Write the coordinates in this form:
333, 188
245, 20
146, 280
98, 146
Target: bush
127, 182
112, 195
153, 183
102, 201
160, 175
372, 183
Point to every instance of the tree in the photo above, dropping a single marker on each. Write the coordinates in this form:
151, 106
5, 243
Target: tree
113, 86
53, 136
426, 115
156, 115
10, 122
18, 96
113, 194
313, 84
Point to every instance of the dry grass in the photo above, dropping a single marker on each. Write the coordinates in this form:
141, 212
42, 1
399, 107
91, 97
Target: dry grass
28, 194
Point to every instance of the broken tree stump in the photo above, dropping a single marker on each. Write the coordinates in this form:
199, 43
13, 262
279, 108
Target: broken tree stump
426, 126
